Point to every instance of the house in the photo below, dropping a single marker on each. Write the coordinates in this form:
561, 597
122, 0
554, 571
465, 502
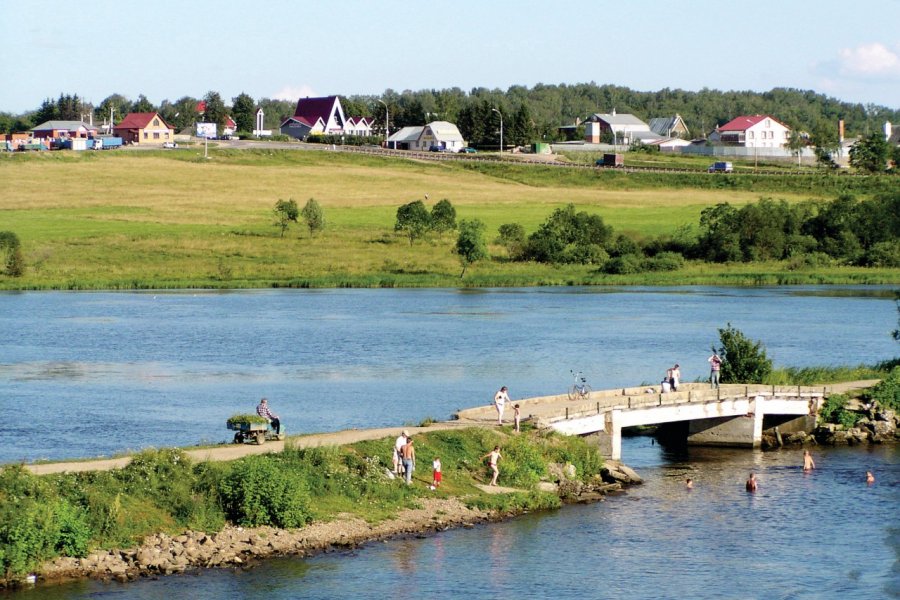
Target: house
672, 127
316, 116
144, 128
361, 126
438, 134
628, 129
756, 131
63, 129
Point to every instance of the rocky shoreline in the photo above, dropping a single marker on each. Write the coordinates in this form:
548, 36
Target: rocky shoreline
241, 547
875, 426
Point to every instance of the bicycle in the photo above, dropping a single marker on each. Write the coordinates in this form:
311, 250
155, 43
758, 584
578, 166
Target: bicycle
580, 390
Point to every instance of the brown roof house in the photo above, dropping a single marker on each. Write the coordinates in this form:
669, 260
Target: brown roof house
316, 115
144, 128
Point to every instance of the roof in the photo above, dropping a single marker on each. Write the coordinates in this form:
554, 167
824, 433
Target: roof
67, 125
310, 110
665, 125
407, 134
139, 121
745, 122
445, 131
617, 119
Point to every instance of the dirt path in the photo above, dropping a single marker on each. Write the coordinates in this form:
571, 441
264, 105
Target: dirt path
236, 451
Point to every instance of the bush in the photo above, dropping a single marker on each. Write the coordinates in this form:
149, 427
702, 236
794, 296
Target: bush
512, 237
627, 264
664, 261
833, 411
262, 491
887, 393
744, 361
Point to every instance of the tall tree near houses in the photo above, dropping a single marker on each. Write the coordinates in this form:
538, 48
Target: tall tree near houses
215, 111
142, 105
243, 110
115, 104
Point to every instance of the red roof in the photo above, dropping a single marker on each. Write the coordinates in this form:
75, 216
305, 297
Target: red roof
139, 121
745, 122
310, 110
201, 106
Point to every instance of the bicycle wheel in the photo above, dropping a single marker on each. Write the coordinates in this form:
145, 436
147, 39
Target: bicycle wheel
574, 393
585, 392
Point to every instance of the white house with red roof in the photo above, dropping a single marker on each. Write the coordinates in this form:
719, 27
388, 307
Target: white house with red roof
756, 131
316, 116
361, 126
144, 128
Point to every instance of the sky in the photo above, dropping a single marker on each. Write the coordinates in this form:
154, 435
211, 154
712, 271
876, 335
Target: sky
288, 49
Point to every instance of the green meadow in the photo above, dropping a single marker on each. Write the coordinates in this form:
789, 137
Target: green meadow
138, 219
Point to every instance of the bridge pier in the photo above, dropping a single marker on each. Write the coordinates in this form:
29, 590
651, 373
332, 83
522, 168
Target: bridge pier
742, 430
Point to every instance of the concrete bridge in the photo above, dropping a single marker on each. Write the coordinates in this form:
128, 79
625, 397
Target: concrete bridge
733, 415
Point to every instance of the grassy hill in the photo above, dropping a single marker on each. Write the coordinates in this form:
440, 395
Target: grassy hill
163, 219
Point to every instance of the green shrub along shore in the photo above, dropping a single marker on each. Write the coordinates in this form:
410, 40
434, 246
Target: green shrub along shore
161, 491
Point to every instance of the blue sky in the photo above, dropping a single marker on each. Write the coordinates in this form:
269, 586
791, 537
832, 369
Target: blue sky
287, 49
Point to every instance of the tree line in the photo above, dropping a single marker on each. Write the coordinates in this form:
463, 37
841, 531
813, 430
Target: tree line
529, 113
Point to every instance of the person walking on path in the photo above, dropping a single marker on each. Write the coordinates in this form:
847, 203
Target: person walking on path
808, 463
398, 452
500, 400
436, 473
517, 416
494, 456
675, 377
751, 483
263, 410
715, 366
409, 460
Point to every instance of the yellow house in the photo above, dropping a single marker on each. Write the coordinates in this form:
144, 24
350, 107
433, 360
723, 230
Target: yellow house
144, 128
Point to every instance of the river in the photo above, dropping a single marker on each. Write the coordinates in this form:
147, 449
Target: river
83, 374
86, 374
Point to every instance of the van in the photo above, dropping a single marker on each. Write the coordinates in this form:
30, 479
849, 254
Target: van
720, 167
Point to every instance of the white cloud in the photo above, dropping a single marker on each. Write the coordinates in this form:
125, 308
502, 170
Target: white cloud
294, 92
869, 61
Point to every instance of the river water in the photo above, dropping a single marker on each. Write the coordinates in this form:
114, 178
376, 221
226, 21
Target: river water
83, 374
92, 374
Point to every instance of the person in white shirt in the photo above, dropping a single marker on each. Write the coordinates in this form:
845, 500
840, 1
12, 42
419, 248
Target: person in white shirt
500, 400
398, 447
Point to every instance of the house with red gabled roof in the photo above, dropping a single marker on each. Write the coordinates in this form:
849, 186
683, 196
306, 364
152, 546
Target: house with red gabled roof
144, 128
316, 115
752, 131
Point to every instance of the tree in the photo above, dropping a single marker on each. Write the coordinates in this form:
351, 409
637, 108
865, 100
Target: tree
142, 105
512, 237
871, 153
11, 254
313, 216
244, 112
796, 143
413, 219
285, 212
470, 244
744, 361
443, 217
569, 237
116, 105
215, 110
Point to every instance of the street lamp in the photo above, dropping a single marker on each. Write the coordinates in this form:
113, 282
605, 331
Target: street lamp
501, 130
386, 128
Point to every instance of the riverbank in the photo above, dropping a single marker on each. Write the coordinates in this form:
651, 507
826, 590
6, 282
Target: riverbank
146, 517
240, 548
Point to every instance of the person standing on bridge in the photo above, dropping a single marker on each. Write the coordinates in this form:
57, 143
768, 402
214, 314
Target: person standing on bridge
500, 400
675, 379
715, 365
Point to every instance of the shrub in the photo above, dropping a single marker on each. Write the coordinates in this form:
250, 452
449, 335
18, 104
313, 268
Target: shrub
313, 216
664, 261
261, 491
512, 237
833, 411
744, 361
887, 393
627, 264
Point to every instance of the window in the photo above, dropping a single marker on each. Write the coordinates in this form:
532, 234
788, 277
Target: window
750, 135
156, 122
155, 135
146, 135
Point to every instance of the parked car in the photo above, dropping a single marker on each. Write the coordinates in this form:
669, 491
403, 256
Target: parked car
435, 149
170, 145
467, 150
720, 167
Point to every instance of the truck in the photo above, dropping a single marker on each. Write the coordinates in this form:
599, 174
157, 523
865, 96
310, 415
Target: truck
611, 160
720, 167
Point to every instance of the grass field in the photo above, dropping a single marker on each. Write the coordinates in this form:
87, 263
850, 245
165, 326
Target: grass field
160, 219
